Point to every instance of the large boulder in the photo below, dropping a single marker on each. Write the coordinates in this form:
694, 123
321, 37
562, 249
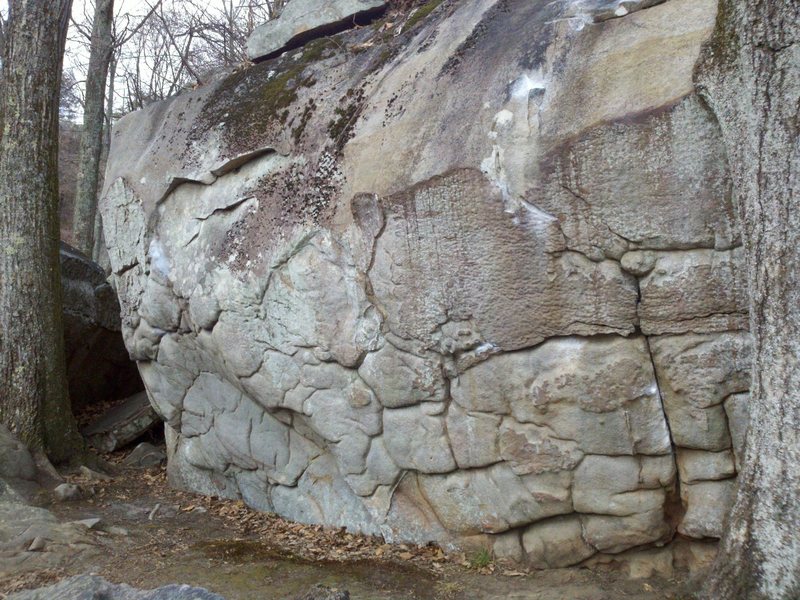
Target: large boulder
476, 279
98, 365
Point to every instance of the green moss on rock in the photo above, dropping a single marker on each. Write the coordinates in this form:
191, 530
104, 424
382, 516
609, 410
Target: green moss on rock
422, 12
252, 101
340, 129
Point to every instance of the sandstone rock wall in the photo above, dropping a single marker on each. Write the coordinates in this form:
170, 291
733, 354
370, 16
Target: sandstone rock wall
480, 280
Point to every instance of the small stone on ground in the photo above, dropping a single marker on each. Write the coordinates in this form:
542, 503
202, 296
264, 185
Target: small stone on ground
145, 455
67, 492
323, 592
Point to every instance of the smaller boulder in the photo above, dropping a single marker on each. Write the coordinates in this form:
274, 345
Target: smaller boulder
38, 544
323, 592
122, 423
145, 455
16, 461
92, 475
90, 523
67, 492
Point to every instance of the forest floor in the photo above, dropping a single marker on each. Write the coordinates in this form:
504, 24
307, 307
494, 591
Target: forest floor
150, 535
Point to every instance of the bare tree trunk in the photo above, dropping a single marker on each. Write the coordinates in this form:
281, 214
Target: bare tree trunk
109, 122
99, 252
83, 220
750, 76
33, 387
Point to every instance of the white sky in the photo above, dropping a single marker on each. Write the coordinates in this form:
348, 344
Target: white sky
76, 57
120, 6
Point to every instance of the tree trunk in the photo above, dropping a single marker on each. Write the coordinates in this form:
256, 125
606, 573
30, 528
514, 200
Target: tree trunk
750, 76
99, 253
33, 386
109, 122
93, 118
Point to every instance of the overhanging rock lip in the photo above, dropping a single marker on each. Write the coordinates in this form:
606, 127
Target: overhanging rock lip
360, 18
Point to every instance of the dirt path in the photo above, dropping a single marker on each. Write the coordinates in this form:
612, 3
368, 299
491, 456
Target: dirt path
242, 555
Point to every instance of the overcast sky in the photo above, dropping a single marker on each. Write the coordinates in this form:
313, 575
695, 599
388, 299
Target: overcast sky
81, 12
120, 6
80, 7
76, 57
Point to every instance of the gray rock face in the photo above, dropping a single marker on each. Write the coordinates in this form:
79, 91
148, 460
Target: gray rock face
707, 503
696, 374
556, 543
450, 287
738, 419
697, 290
87, 587
16, 461
594, 11
31, 538
304, 19
98, 366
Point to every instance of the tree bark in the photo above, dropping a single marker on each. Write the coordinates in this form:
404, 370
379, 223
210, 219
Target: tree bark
34, 402
99, 252
102, 45
750, 76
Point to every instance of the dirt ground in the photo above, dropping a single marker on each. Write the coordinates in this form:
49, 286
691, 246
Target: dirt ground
151, 535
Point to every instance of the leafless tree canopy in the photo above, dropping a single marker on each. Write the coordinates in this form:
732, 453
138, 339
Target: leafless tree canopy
170, 45
184, 43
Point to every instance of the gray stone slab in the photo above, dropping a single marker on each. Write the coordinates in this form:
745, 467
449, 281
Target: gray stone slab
122, 423
91, 587
304, 20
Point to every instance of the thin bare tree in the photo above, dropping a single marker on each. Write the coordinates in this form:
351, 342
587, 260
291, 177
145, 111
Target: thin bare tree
102, 48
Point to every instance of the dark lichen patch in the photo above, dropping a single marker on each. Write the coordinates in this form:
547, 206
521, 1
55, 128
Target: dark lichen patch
298, 195
299, 129
392, 110
479, 32
340, 129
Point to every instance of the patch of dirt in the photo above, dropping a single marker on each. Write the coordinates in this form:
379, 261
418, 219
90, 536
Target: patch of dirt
152, 535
